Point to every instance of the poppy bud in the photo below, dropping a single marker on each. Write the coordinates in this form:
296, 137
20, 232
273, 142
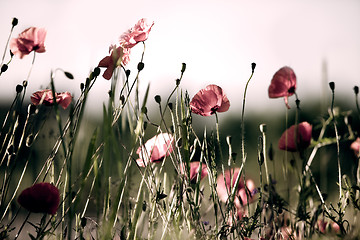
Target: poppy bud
332, 86
177, 82
19, 88
356, 90
253, 65
82, 86
127, 73
69, 75
25, 83
140, 66
31, 109
96, 71
158, 99
183, 68
4, 67
14, 22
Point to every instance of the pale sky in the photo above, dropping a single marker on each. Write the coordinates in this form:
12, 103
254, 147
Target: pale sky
218, 40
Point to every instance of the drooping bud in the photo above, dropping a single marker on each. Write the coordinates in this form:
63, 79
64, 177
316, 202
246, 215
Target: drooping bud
332, 86
69, 75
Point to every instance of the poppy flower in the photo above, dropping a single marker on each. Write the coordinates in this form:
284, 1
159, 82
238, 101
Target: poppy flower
46, 97
31, 39
155, 149
327, 227
283, 84
194, 171
40, 198
356, 146
139, 33
303, 133
209, 100
242, 194
118, 56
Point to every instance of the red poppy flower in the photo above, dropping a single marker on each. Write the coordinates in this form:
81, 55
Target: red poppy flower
155, 149
356, 146
303, 132
46, 97
31, 39
116, 58
40, 198
242, 194
194, 170
139, 33
209, 100
283, 84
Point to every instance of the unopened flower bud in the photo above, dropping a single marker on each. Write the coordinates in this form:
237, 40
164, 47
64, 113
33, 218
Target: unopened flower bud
25, 83
4, 67
356, 90
69, 75
31, 109
183, 68
82, 86
14, 22
127, 73
253, 65
177, 82
96, 71
170, 105
158, 99
140, 66
332, 86
19, 88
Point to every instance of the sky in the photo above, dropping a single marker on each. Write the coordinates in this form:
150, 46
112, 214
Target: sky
218, 40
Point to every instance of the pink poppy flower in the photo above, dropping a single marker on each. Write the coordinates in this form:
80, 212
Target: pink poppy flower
327, 227
46, 97
356, 146
241, 198
31, 39
155, 149
116, 58
209, 100
283, 84
40, 198
194, 171
139, 33
287, 139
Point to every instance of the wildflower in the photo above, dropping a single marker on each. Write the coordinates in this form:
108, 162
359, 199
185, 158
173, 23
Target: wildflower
356, 146
327, 227
139, 33
242, 194
118, 56
194, 171
303, 135
209, 100
283, 84
155, 149
40, 198
46, 97
31, 39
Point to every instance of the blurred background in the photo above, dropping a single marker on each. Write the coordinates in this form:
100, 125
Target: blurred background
217, 40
